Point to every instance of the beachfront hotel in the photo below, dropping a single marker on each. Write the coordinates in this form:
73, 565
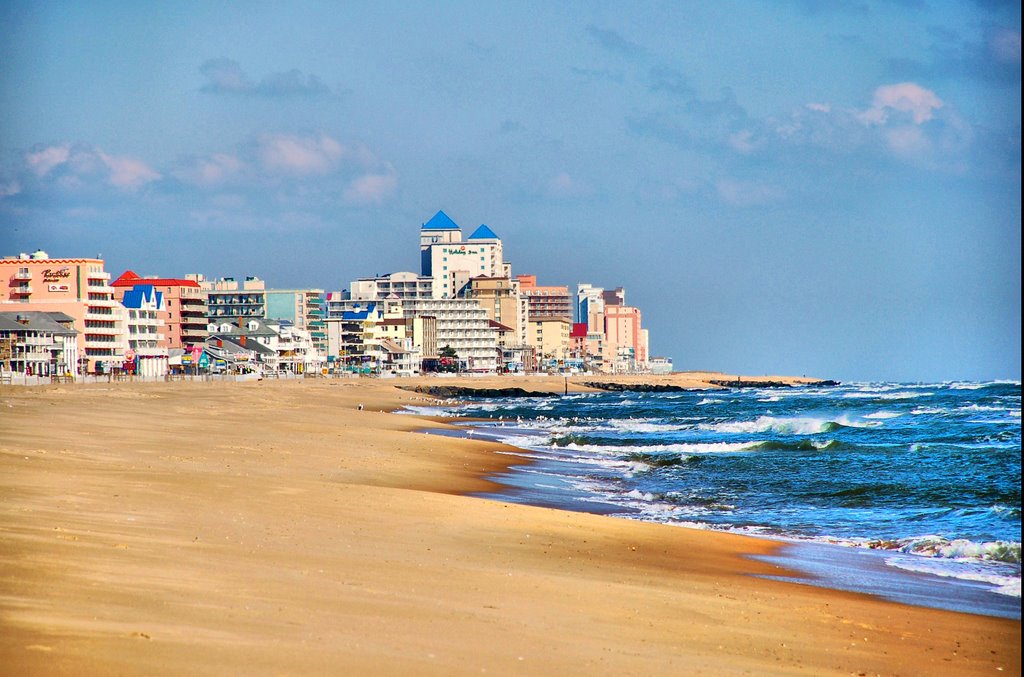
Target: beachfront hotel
452, 261
183, 312
607, 332
227, 299
304, 308
77, 287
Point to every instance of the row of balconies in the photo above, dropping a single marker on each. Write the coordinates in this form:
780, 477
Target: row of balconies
92, 336
101, 302
33, 353
217, 299
34, 340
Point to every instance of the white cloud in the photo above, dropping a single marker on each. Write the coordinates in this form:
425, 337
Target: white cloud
371, 188
211, 171
40, 162
907, 141
299, 155
820, 107
72, 166
905, 97
126, 172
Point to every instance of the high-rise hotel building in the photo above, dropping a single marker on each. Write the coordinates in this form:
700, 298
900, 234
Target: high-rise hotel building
78, 287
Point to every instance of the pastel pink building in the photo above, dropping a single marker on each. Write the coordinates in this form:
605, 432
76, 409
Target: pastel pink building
183, 311
78, 287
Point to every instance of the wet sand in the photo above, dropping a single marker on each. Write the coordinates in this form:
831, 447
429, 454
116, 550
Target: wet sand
276, 528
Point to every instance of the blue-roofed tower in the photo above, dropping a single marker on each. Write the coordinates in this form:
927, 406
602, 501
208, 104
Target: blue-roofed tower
454, 263
484, 233
440, 229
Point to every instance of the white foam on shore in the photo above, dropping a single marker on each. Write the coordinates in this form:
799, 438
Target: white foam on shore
961, 569
423, 410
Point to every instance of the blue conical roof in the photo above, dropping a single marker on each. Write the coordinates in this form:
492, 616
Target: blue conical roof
440, 221
483, 233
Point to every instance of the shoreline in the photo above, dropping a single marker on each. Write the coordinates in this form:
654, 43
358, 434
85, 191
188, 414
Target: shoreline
823, 563
294, 532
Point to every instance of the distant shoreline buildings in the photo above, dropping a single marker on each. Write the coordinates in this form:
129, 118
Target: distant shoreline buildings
464, 311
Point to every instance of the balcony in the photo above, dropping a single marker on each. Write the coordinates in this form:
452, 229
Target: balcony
22, 290
23, 275
101, 303
98, 275
36, 341
105, 343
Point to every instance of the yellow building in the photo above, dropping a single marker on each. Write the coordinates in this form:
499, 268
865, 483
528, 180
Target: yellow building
500, 297
550, 338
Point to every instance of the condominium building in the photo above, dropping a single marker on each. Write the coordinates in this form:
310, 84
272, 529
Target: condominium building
544, 301
78, 287
608, 333
625, 339
590, 307
462, 325
229, 299
184, 307
501, 299
402, 285
304, 308
550, 337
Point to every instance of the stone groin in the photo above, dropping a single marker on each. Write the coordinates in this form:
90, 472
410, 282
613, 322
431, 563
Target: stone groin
755, 383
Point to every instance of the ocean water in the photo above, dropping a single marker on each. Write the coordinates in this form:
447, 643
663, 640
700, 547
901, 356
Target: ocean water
921, 481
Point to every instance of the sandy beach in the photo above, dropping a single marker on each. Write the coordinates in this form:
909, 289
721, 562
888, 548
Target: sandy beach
301, 528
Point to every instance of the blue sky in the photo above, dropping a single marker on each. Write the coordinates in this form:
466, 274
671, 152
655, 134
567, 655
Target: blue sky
782, 187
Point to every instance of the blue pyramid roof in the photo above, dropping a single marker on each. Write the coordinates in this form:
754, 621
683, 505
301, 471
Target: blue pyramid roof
440, 221
139, 294
483, 233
